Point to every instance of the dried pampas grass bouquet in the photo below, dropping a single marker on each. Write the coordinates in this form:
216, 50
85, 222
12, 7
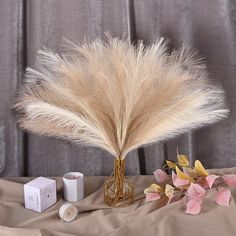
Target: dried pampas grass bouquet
117, 96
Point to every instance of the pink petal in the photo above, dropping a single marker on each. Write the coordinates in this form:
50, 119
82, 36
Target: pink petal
210, 179
230, 180
193, 207
152, 197
161, 176
177, 182
202, 182
196, 192
223, 197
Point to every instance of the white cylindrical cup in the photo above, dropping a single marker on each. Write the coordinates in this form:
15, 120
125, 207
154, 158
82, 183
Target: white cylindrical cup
73, 186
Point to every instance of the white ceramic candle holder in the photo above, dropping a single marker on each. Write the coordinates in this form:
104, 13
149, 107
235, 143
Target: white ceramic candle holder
73, 186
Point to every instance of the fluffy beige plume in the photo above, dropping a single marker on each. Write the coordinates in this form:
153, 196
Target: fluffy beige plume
118, 96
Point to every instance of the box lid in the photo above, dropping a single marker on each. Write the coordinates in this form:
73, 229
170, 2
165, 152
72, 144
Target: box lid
40, 182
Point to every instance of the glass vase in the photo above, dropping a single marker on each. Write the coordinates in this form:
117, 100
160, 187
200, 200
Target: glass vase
118, 190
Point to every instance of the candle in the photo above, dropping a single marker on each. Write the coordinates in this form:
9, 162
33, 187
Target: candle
68, 212
71, 176
73, 186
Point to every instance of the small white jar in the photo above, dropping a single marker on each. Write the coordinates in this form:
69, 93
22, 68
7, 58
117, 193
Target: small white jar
73, 186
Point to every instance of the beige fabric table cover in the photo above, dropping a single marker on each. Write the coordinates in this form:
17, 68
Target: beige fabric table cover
97, 219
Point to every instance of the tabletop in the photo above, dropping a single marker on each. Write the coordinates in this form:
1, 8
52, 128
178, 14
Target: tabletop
96, 218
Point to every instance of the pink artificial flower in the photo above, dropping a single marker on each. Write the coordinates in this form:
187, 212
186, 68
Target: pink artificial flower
178, 182
195, 192
150, 197
202, 182
230, 180
211, 179
223, 197
161, 176
193, 207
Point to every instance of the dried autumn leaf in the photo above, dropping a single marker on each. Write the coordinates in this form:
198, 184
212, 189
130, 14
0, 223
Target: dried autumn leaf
183, 160
169, 191
170, 164
200, 169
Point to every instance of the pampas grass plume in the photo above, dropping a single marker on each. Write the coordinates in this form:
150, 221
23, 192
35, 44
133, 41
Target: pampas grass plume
118, 96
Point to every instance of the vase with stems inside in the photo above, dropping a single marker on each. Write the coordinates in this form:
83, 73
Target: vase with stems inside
118, 190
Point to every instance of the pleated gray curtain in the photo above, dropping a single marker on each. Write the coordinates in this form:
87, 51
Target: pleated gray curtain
26, 25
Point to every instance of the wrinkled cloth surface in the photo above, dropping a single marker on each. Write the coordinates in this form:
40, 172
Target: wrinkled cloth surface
96, 218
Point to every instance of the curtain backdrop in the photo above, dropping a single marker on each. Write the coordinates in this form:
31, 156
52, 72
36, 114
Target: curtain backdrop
26, 25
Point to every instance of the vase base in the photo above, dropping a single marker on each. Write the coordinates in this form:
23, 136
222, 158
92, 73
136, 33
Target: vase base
116, 197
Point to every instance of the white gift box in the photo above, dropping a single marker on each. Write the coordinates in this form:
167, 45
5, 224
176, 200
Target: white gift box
40, 194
